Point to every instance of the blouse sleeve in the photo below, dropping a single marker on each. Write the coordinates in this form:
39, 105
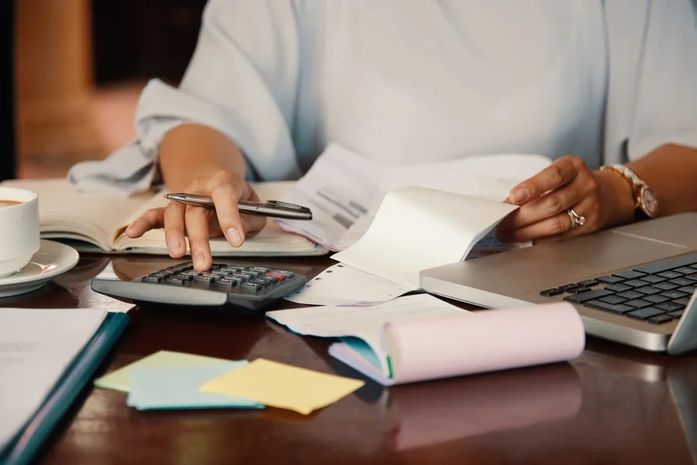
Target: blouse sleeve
241, 81
652, 94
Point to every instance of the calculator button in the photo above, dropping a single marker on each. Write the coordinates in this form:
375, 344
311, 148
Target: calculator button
152, 279
204, 279
276, 274
174, 280
251, 286
226, 283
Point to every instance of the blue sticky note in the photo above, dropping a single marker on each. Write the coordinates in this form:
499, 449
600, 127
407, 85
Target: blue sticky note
158, 388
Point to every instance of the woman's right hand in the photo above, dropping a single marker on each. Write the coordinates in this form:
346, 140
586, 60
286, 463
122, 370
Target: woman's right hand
198, 223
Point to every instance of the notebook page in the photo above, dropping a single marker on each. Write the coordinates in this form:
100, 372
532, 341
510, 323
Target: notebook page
271, 241
91, 217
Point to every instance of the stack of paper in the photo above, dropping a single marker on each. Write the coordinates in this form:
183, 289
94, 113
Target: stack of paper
419, 337
173, 380
390, 222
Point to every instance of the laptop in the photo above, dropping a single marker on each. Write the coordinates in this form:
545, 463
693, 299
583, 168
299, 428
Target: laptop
634, 284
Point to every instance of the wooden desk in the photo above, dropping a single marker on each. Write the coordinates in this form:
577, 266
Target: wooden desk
612, 405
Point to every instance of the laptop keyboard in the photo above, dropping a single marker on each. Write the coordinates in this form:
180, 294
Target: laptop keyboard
657, 292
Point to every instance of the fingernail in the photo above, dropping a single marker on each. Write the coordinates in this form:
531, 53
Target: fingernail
173, 244
199, 260
234, 236
519, 194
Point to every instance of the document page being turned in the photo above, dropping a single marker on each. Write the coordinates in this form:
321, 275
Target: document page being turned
345, 190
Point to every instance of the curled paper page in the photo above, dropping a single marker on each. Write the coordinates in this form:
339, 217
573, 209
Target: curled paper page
417, 228
484, 341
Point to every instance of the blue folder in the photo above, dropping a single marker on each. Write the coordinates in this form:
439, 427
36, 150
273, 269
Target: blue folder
27, 444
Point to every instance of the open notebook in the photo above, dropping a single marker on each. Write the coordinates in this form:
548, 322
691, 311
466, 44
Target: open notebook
96, 222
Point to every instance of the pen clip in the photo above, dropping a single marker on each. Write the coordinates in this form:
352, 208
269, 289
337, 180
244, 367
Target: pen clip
288, 205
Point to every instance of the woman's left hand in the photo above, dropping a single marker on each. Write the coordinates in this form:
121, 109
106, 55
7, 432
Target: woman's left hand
564, 200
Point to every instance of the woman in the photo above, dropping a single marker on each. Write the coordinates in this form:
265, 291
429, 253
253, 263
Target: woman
273, 82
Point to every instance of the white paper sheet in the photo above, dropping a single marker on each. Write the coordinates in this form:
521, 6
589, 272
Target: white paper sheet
341, 188
418, 228
36, 346
344, 188
364, 322
345, 285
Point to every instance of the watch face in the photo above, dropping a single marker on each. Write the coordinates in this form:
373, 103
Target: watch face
648, 202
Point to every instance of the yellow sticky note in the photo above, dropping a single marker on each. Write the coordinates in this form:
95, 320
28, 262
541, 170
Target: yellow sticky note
120, 379
283, 386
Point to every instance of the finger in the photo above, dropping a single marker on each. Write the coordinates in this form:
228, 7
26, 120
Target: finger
556, 175
196, 220
547, 206
587, 227
175, 229
557, 226
226, 209
151, 219
253, 224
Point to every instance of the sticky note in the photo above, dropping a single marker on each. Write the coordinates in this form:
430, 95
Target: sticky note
120, 379
283, 386
157, 388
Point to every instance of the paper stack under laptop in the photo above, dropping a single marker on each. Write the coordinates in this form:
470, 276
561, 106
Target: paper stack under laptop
420, 337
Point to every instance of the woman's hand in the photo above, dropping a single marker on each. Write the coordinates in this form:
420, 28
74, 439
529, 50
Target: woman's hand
602, 198
198, 223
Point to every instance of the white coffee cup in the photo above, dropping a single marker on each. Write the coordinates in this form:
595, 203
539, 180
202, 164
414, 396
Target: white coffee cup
19, 228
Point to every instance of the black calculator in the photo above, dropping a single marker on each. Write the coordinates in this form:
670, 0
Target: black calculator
251, 289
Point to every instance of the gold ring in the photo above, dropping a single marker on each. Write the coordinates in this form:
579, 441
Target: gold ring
576, 219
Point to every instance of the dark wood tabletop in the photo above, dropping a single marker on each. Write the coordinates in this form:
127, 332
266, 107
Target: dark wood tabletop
612, 405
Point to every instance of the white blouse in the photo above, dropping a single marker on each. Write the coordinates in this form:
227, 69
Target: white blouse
405, 81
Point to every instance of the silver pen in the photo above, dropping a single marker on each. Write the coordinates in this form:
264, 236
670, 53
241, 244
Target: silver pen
272, 208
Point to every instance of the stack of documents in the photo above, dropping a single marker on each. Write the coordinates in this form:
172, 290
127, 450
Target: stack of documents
47, 356
420, 337
174, 380
390, 222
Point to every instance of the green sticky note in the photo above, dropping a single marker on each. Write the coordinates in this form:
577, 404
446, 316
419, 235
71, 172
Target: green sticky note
120, 379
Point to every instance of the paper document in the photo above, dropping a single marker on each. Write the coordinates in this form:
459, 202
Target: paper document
178, 388
420, 337
345, 285
283, 386
363, 322
120, 379
344, 188
36, 347
418, 228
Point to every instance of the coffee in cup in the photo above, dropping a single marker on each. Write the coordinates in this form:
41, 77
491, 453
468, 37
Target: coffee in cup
19, 228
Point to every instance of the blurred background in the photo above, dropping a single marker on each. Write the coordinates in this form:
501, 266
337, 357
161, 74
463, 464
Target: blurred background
76, 70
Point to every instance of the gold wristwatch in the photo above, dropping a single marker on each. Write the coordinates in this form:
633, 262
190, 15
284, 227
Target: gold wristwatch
645, 201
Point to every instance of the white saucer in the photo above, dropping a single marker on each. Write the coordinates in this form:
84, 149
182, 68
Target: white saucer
52, 259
